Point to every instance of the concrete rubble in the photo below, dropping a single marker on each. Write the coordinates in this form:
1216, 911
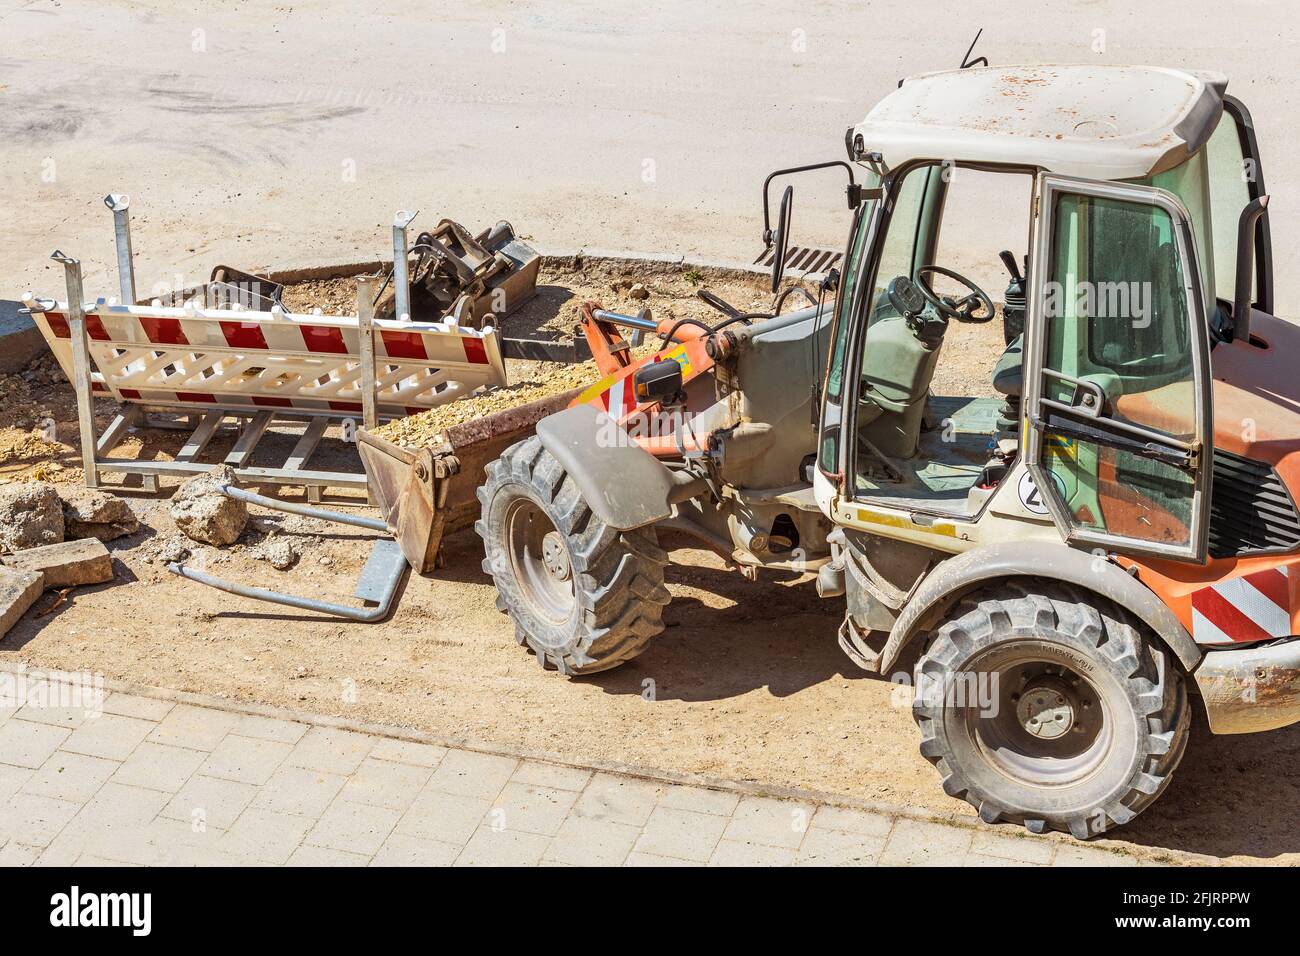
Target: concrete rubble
204, 513
280, 552
18, 591
31, 515
91, 513
67, 563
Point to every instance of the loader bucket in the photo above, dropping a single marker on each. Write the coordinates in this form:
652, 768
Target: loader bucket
424, 493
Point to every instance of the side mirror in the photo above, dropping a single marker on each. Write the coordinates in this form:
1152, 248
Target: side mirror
657, 382
782, 238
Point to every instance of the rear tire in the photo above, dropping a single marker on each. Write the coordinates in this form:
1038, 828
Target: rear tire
584, 597
1081, 729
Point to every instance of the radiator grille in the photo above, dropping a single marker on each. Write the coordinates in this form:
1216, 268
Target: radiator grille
1250, 509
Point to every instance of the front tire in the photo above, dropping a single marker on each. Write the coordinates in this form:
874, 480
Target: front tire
584, 596
1078, 718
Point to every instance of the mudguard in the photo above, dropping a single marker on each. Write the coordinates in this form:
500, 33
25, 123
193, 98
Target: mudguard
1027, 559
624, 484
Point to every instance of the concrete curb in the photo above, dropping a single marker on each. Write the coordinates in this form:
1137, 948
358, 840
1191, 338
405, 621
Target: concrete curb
705, 781
20, 341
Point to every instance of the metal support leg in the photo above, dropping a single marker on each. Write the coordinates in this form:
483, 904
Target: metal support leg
401, 278
81, 366
366, 349
378, 584
119, 203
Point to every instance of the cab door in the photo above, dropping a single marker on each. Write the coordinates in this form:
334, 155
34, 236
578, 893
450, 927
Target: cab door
1117, 404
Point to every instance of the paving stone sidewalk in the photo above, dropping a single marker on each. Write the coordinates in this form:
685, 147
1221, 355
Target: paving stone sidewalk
152, 781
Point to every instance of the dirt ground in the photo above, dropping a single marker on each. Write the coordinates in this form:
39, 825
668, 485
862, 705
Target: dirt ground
746, 682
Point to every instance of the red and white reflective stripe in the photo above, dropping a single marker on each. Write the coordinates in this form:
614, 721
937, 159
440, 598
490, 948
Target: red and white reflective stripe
1255, 607
267, 359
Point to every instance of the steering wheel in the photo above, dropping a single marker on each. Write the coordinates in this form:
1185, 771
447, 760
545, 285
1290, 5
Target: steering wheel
964, 309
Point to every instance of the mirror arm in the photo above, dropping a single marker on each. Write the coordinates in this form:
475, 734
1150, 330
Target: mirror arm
854, 190
1242, 297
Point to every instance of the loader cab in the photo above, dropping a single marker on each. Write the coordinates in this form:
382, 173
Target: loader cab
1097, 419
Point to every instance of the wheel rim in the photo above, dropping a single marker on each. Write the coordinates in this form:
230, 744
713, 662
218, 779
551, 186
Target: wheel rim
1049, 726
540, 560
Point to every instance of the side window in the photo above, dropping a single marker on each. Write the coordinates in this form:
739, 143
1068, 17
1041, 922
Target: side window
1230, 174
852, 265
1116, 306
1117, 320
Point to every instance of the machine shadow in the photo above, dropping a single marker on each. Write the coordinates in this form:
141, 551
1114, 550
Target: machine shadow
1232, 795
772, 637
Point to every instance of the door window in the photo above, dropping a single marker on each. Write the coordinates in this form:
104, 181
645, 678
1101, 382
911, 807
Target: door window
1119, 414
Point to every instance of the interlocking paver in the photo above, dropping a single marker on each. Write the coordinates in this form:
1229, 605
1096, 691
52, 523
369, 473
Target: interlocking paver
585, 842
35, 819
532, 809
384, 783
618, 799
408, 751
146, 782
215, 801
743, 853
199, 728
449, 817
636, 858
773, 822
356, 827
700, 800
27, 744
69, 776
320, 856
18, 854
159, 767
402, 849
853, 821
921, 843
1016, 849
489, 847
822, 847
246, 759
133, 705
1072, 855
330, 750
12, 780
69, 717
117, 814
539, 774
266, 836
178, 843
471, 774
684, 834
299, 790
270, 728
109, 735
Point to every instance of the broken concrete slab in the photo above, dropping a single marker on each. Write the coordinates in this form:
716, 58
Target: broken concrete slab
91, 513
204, 513
31, 515
18, 591
83, 561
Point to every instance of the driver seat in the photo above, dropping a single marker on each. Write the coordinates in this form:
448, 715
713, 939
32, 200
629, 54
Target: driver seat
1008, 373
898, 365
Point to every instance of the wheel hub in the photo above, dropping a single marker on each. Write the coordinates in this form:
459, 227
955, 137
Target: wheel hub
1047, 709
555, 556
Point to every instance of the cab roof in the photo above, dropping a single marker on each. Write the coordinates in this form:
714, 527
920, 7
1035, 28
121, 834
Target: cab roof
1097, 122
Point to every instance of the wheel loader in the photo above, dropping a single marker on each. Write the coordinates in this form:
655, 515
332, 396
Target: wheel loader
1064, 564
